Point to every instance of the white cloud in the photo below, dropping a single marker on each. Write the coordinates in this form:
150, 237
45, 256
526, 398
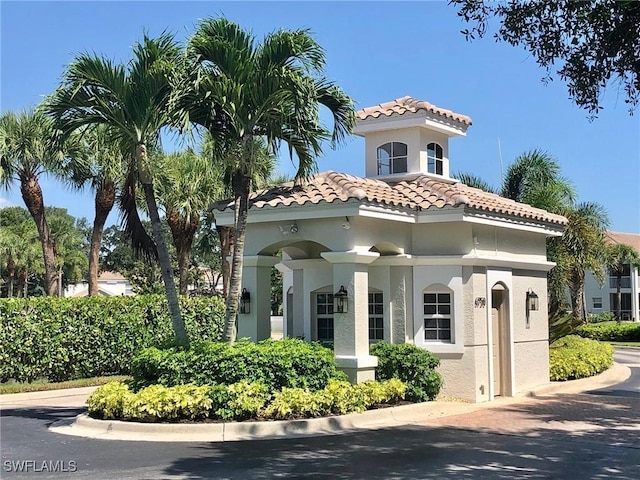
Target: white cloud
6, 203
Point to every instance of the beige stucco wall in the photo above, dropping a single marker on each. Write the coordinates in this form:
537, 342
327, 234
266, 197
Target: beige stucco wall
441, 239
492, 241
531, 345
465, 376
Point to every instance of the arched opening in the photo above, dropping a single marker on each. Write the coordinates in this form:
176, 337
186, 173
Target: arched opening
500, 339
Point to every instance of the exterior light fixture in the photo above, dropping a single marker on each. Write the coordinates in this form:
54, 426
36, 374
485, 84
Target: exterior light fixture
340, 301
245, 301
532, 301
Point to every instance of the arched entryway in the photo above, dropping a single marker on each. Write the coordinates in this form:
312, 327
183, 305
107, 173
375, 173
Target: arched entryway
500, 343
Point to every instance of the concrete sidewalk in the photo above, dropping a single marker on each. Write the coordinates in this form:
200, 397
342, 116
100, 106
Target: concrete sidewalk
422, 413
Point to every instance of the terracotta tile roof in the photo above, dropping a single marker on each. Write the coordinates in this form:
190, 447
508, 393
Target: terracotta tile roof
403, 105
631, 239
421, 192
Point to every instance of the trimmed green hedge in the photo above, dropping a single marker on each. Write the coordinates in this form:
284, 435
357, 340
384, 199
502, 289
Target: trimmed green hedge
411, 364
274, 363
239, 401
68, 338
611, 332
574, 357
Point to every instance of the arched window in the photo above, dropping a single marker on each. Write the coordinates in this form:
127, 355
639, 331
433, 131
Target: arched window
434, 158
438, 306
392, 158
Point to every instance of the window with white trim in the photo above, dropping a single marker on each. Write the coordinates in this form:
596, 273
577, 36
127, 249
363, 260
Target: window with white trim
597, 302
376, 319
435, 163
392, 158
324, 317
437, 316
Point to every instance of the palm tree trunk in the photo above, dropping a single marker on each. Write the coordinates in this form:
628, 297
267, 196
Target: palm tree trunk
225, 234
11, 273
241, 188
183, 232
619, 296
163, 254
104, 201
32, 196
576, 292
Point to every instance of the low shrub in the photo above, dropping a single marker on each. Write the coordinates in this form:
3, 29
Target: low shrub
574, 357
110, 400
238, 401
601, 317
414, 366
243, 400
611, 332
69, 338
288, 363
158, 402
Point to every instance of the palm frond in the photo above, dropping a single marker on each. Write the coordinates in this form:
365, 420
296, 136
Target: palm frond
142, 244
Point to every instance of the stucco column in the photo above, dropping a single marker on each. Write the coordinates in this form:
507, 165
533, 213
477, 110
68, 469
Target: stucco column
401, 301
297, 321
351, 329
256, 278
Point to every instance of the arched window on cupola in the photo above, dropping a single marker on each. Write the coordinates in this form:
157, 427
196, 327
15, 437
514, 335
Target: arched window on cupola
392, 158
434, 158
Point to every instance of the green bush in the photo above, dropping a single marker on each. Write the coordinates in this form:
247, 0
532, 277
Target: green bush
110, 400
69, 338
277, 364
611, 332
338, 397
239, 401
601, 317
574, 357
411, 364
158, 402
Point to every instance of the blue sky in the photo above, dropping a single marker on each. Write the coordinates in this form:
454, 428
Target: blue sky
376, 51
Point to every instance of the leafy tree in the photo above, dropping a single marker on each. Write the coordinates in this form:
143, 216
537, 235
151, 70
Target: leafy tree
242, 90
133, 101
19, 249
618, 256
595, 42
29, 147
71, 248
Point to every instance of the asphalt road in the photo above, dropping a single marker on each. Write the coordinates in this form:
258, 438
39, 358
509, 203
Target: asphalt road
594, 435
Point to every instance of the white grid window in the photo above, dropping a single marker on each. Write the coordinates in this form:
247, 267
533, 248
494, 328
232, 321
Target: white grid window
376, 319
597, 302
392, 158
437, 316
324, 317
434, 159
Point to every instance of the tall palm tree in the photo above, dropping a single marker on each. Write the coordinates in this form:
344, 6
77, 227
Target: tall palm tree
30, 146
105, 175
133, 100
274, 89
187, 184
580, 248
619, 255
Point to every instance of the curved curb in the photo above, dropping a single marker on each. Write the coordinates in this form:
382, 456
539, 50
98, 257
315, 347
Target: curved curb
85, 426
614, 375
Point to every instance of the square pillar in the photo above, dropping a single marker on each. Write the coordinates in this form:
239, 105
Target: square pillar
351, 329
401, 279
256, 278
297, 320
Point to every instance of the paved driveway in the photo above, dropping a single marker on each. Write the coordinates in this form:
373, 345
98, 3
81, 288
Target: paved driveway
592, 435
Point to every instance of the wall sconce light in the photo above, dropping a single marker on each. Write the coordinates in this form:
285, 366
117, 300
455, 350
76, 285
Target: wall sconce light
340, 301
532, 301
245, 301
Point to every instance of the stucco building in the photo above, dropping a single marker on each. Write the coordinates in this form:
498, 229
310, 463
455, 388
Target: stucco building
603, 297
421, 257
